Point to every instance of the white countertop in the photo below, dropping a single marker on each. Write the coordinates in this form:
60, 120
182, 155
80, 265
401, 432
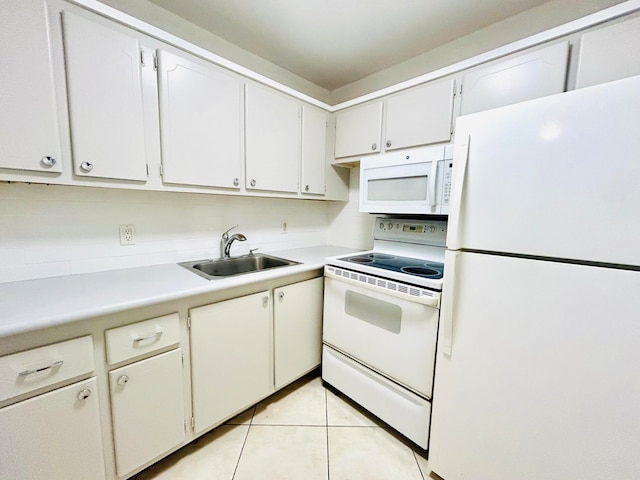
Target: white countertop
35, 304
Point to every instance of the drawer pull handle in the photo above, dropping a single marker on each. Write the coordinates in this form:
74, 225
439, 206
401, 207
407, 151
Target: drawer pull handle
153, 336
38, 370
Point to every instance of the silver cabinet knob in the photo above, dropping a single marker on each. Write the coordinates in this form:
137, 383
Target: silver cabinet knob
236, 182
306, 188
265, 301
388, 143
374, 146
281, 295
86, 166
123, 380
84, 394
252, 183
47, 162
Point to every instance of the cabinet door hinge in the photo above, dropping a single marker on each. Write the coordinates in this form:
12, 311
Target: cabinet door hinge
193, 423
185, 425
142, 57
161, 170
147, 165
182, 359
189, 322
155, 61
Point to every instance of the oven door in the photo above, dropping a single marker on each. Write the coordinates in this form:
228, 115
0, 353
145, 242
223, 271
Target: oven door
392, 335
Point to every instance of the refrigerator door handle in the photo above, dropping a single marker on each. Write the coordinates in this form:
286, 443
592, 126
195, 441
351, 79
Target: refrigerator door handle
447, 301
460, 160
431, 193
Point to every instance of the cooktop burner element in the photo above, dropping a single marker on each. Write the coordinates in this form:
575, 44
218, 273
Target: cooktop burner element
410, 266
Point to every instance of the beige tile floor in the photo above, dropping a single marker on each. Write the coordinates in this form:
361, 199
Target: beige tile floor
303, 432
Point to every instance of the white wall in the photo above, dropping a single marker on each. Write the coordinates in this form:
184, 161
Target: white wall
57, 230
349, 227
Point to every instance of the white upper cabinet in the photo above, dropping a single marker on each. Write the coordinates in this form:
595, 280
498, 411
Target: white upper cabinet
314, 137
420, 116
610, 53
536, 74
272, 140
358, 130
201, 123
105, 100
29, 129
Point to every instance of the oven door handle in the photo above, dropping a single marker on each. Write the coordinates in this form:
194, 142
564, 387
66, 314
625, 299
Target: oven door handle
424, 300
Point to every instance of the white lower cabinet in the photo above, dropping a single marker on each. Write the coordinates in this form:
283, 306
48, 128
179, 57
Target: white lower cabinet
297, 319
230, 357
54, 436
147, 407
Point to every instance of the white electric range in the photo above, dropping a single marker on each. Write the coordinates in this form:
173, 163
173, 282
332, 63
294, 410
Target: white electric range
381, 317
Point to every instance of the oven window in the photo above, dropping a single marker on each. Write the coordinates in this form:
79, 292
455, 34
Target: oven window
401, 189
374, 311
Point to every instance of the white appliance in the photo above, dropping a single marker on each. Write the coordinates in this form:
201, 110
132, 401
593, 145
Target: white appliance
537, 372
413, 182
380, 326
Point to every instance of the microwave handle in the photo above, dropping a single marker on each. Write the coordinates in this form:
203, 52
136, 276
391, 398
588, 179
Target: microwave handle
431, 192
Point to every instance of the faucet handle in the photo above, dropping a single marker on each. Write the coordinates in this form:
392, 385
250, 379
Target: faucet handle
225, 235
251, 250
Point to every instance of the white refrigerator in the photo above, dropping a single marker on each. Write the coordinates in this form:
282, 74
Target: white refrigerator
538, 363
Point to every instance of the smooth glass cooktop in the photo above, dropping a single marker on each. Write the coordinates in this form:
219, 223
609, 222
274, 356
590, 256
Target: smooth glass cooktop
410, 266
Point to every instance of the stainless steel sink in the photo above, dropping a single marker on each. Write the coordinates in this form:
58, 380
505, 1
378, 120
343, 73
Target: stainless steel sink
228, 267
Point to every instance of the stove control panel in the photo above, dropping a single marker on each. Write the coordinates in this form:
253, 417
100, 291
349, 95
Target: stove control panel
427, 232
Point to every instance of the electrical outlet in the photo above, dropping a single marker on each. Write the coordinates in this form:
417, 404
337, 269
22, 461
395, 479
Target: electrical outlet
127, 235
284, 226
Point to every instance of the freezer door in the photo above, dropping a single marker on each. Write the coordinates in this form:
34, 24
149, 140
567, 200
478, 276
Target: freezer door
541, 381
553, 177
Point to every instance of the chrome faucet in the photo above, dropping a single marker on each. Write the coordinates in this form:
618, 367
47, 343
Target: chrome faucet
227, 240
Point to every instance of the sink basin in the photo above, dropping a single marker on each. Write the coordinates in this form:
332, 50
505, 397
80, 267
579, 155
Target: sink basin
228, 267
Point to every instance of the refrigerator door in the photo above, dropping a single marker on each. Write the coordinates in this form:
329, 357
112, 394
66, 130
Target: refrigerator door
541, 381
552, 177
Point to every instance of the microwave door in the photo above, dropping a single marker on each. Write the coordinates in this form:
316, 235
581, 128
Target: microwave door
408, 188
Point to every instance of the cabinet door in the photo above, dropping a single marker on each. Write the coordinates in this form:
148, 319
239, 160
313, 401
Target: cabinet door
55, 436
420, 116
358, 130
297, 329
200, 118
28, 117
525, 77
147, 409
610, 53
272, 140
314, 136
230, 357
105, 100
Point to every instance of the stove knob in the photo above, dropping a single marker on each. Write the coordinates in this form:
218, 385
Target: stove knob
432, 228
381, 226
390, 226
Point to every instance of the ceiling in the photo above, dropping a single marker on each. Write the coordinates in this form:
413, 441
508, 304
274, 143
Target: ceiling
333, 43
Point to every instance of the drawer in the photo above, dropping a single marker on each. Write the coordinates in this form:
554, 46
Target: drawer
141, 338
37, 368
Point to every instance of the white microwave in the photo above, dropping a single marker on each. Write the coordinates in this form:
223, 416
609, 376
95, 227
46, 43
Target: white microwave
416, 182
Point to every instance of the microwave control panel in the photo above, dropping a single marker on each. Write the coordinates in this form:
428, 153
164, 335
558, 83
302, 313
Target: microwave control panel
446, 184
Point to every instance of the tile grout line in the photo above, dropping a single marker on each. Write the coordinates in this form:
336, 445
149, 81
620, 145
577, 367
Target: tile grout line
326, 417
235, 470
415, 457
